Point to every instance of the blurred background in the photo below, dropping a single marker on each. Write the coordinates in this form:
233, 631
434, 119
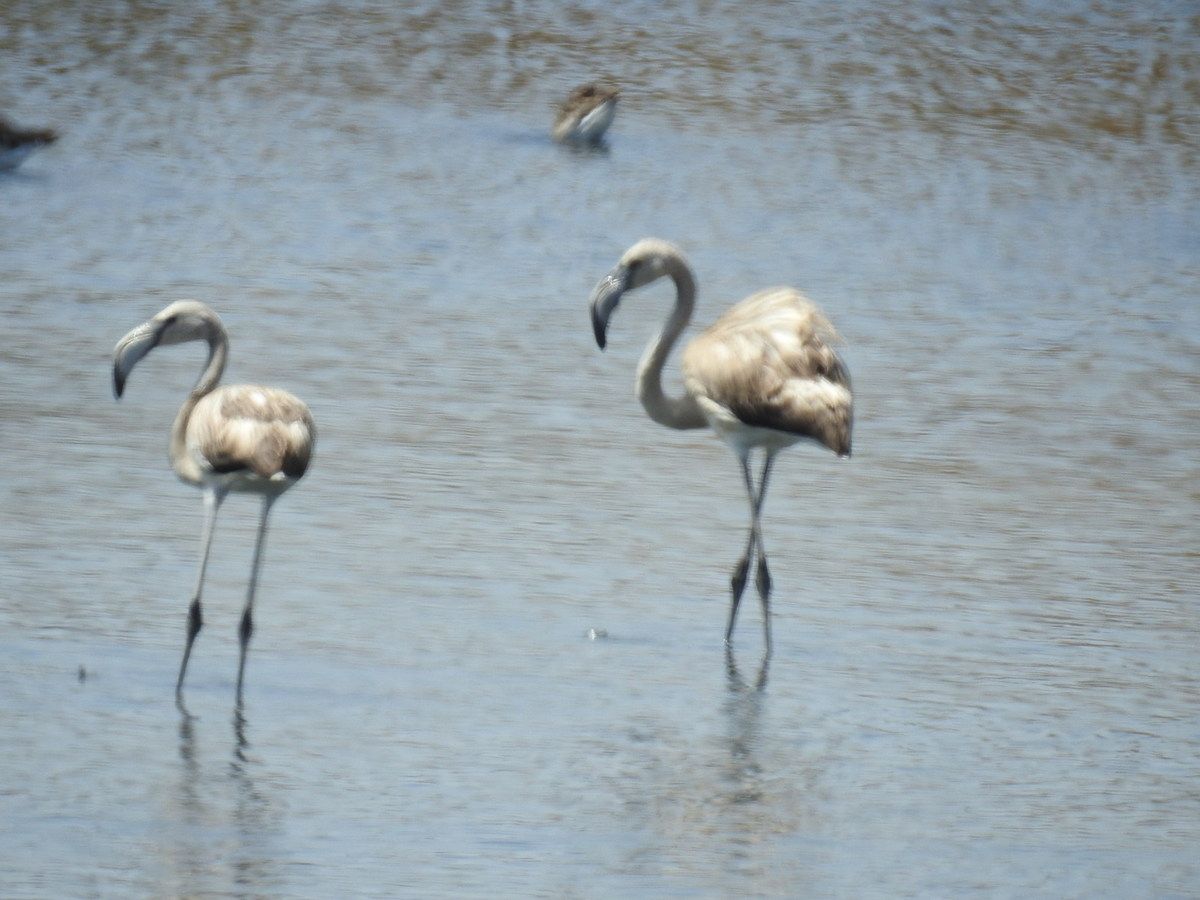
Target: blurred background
488, 657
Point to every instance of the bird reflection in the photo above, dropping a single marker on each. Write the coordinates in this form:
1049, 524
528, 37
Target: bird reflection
594, 148
183, 710
188, 796
736, 683
192, 857
240, 744
251, 813
249, 804
203, 802
743, 710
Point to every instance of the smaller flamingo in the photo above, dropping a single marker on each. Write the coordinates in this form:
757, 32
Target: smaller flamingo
235, 438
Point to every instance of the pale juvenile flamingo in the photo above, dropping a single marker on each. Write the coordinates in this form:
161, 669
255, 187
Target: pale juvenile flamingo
235, 438
765, 375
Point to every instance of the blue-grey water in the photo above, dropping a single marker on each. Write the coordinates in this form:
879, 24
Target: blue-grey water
986, 627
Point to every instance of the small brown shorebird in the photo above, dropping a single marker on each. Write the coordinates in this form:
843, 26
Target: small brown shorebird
17, 143
585, 115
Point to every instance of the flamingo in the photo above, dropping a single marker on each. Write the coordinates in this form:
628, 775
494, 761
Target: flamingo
764, 375
234, 438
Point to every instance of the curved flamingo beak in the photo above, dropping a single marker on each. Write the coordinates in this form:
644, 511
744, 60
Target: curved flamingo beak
130, 349
605, 297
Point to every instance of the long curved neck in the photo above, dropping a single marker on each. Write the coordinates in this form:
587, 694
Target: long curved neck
181, 461
674, 412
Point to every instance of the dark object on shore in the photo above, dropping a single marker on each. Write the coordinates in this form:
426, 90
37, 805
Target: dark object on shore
17, 143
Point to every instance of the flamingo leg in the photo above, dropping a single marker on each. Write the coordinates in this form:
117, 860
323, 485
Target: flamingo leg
737, 582
213, 497
762, 578
246, 629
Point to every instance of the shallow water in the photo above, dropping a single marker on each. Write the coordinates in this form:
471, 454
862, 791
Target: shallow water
985, 623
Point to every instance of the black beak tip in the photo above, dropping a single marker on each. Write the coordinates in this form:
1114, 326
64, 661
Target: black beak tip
598, 328
118, 385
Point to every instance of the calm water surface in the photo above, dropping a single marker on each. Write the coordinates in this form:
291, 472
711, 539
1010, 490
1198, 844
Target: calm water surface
984, 679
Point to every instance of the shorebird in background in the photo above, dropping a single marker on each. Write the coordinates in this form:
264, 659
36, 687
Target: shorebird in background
235, 438
765, 374
585, 115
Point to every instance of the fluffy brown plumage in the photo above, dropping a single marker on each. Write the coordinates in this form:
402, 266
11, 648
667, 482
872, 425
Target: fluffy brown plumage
770, 361
265, 431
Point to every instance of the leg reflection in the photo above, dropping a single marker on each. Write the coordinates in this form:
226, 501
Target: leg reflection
187, 753
743, 712
240, 744
191, 857
734, 680
252, 859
